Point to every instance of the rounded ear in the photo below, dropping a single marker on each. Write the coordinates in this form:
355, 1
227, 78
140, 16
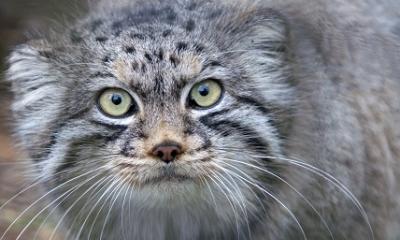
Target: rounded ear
30, 73
28, 67
37, 91
261, 29
258, 41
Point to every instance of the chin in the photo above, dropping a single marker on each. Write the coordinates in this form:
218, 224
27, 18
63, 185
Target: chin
165, 178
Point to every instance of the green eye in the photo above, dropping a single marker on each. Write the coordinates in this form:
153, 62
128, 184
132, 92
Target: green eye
205, 94
115, 102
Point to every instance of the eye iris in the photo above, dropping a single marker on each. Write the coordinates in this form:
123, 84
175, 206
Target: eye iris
116, 102
116, 99
203, 90
205, 94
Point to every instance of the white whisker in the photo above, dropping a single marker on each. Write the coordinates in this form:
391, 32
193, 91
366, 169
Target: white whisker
277, 200
115, 196
287, 183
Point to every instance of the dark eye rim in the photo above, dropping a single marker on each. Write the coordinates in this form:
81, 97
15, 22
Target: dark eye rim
132, 108
192, 103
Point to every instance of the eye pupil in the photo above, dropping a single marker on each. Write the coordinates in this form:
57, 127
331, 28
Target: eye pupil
116, 99
203, 90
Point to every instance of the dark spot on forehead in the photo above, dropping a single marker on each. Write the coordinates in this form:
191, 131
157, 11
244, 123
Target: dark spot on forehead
160, 55
180, 46
174, 60
130, 50
135, 66
138, 36
179, 85
166, 33
190, 25
213, 63
144, 68
159, 84
148, 57
101, 39
101, 75
199, 47
106, 59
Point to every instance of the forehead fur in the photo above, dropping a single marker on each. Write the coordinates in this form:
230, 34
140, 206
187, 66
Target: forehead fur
156, 46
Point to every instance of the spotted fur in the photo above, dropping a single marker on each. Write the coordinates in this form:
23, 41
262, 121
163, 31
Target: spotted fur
303, 143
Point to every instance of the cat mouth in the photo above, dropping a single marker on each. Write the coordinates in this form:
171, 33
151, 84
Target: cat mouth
169, 178
169, 174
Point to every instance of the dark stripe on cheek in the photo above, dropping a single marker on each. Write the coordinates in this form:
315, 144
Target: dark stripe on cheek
260, 107
215, 114
249, 136
72, 158
206, 145
192, 128
68, 162
47, 148
127, 149
253, 102
109, 126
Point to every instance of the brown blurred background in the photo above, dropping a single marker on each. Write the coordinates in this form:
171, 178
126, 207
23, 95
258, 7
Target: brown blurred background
17, 17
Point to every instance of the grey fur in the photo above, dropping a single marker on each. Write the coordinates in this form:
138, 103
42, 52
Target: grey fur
307, 83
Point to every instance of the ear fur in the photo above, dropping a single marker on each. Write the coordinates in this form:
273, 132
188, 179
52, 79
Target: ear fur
259, 44
261, 29
37, 91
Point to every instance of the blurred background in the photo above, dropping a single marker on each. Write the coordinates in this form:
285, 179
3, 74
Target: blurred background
17, 17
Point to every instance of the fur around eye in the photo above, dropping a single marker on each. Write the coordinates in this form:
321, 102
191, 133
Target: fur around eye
115, 102
205, 94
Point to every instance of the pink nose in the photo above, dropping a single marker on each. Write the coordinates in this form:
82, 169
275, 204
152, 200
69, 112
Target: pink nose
167, 152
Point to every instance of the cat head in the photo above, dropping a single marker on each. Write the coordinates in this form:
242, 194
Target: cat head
167, 100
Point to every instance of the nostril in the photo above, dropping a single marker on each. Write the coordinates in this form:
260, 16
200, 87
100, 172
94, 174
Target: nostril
174, 153
160, 154
167, 152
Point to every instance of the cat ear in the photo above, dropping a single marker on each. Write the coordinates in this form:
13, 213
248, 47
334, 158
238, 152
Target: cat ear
259, 45
37, 92
261, 30
28, 67
30, 73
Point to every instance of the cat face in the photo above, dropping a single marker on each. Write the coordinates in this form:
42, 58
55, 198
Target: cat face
171, 106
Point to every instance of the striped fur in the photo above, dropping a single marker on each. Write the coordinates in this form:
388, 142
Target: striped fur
294, 105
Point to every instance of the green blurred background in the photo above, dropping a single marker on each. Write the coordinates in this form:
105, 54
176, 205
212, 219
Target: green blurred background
17, 17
